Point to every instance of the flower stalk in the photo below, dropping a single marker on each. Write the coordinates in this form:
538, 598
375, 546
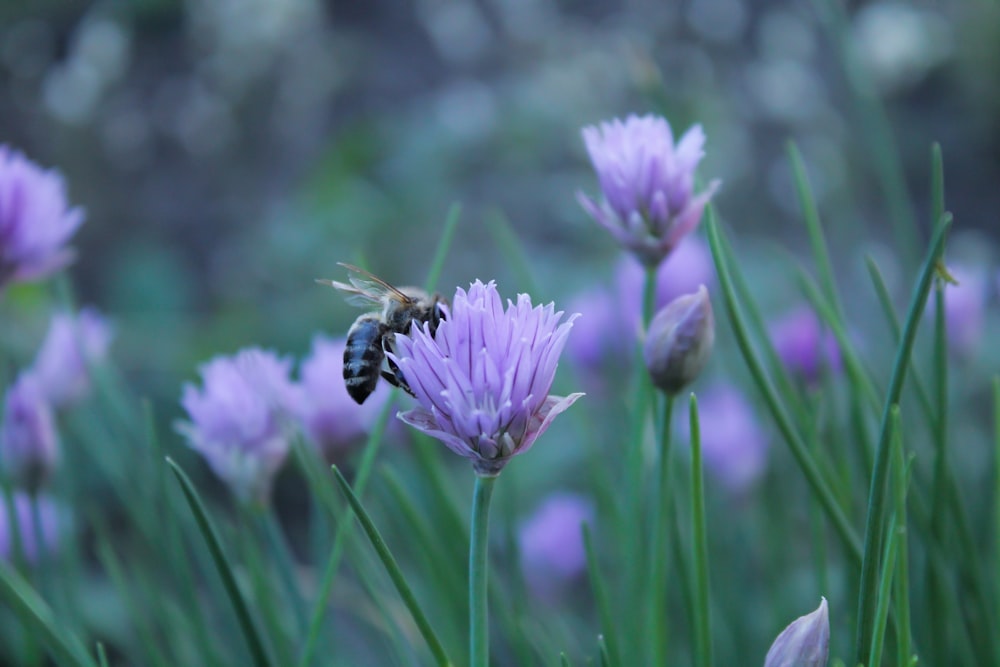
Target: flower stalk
479, 627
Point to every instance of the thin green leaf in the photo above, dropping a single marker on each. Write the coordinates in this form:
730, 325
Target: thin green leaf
699, 552
393, 571
563, 660
444, 245
102, 657
211, 537
607, 640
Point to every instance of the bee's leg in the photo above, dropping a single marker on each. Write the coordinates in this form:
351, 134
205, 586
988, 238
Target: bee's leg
395, 378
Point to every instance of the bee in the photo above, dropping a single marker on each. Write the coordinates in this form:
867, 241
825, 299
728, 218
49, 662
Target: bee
372, 334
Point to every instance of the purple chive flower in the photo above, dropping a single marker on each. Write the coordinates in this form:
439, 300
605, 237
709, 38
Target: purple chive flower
649, 203
239, 419
35, 540
483, 378
29, 442
551, 544
35, 220
803, 345
330, 417
804, 643
964, 307
733, 444
73, 345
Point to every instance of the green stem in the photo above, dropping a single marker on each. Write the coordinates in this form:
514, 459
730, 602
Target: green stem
658, 556
702, 621
479, 626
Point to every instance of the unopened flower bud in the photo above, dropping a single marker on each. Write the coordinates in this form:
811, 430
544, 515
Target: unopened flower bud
679, 341
804, 643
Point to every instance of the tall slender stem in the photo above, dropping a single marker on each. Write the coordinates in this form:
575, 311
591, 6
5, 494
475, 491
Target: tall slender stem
658, 557
702, 620
479, 625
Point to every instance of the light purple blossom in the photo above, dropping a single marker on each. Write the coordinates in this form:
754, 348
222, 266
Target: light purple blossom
551, 544
34, 540
35, 220
649, 203
964, 307
803, 345
330, 417
29, 442
239, 419
733, 444
73, 344
483, 378
804, 643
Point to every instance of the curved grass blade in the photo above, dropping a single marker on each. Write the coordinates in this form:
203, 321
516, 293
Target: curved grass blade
607, 641
37, 616
444, 245
208, 532
394, 572
702, 616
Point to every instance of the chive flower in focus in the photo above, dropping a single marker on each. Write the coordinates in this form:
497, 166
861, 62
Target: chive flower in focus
239, 419
483, 378
36, 222
679, 340
29, 442
649, 204
804, 643
35, 537
72, 346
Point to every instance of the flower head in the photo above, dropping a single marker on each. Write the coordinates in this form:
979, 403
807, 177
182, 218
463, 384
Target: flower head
35, 220
330, 417
483, 378
29, 442
72, 345
550, 541
239, 419
803, 346
804, 643
649, 202
35, 538
679, 340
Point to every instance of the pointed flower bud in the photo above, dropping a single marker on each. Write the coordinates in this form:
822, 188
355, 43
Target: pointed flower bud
804, 643
239, 419
73, 344
35, 220
679, 340
649, 202
483, 377
29, 443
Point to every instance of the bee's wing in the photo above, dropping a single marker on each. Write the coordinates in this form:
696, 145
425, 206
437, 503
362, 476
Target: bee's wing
365, 289
355, 296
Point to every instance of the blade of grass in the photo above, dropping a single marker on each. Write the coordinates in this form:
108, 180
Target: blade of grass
250, 632
609, 635
393, 571
877, 510
699, 554
444, 245
901, 594
884, 592
799, 450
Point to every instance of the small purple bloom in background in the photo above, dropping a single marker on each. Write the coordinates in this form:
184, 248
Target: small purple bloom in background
733, 444
35, 220
29, 442
649, 203
688, 267
804, 643
483, 378
33, 542
239, 419
804, 346
551, 543
73, 344
331, 419
964, 307
679, 340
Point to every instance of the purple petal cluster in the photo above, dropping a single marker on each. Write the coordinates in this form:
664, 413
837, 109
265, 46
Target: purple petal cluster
330, 418
36, 222
29, 442
647, 180
73, 344
965, 307
803, 346
804, 643
483, 378
35, 537
551, 544
239, 419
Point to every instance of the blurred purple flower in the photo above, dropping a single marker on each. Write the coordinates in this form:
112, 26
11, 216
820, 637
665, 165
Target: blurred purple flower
733, 445
804, 346
239, 419
551, 544
33, 542
73, 345
330, 417
29, 442
483, 378
649, 203
964, 307
35, 221
804, 643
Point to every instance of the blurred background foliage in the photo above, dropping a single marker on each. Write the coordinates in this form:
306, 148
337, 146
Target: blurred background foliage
229, 152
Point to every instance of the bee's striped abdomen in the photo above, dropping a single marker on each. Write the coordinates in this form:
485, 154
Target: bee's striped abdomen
363, 357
